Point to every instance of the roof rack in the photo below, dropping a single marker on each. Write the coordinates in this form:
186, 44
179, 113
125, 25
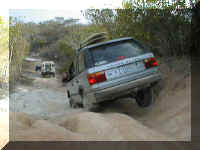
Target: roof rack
94, 38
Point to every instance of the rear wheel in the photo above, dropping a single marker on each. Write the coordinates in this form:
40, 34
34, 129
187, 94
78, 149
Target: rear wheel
43, 75
72, 103
91, 107
53, 75
145, 97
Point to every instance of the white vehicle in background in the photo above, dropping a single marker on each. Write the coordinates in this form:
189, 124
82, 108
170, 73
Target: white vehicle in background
47, 68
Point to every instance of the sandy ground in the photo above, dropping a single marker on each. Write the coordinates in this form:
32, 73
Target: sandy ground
40, 111
4, 122
47, 116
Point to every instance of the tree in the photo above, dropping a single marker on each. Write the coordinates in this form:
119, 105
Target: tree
158, 24
4, 52
18, 49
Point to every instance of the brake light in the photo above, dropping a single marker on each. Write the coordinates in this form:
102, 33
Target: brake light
96, 77
121, 57
150, 62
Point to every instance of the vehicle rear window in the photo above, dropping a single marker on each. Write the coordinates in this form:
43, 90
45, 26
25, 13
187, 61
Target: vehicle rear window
116, 51
48, 66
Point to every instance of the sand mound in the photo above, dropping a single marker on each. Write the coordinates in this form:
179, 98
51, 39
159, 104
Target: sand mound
60, 122
113, 126
92, 125
45, 131
28, 128
132, 130
4, 130
4, 122
82, 126
20, 121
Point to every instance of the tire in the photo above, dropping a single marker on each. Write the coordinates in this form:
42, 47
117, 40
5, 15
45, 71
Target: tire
43, 75
145, 97
53, 75
91, 107
72, 104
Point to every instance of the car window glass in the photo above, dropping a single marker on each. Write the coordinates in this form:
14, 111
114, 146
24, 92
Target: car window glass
112, 52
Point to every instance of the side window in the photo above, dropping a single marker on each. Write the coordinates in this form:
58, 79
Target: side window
81, 64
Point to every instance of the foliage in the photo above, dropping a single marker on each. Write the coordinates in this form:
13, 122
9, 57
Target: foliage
67, 45
58, 39
3, 34
18, 48
195, 27
164, 26
159, 24
4, 75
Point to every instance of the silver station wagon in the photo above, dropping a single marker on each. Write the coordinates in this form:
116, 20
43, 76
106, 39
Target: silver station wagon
111, 70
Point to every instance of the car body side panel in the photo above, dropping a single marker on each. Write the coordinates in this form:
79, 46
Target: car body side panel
75, 92
83, 88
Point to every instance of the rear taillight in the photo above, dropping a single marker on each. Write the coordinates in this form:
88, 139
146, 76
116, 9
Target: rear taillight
120, 57
150, 62
96, 77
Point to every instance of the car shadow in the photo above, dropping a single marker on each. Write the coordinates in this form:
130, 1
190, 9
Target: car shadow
126, 106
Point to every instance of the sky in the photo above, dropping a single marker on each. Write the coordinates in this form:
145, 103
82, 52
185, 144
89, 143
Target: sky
41, 10
38, 15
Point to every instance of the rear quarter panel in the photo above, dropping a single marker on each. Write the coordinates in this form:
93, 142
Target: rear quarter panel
83, 81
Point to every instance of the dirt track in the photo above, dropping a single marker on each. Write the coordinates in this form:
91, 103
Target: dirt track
42, 112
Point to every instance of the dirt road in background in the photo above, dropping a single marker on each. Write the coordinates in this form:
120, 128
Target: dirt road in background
41, 112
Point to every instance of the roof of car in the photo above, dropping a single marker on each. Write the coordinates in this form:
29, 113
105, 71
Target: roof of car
107, 42
48, 62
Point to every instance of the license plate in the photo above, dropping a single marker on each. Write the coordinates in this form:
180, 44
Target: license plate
125, 70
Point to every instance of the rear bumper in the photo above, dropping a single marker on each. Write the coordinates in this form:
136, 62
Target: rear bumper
48, 72
126, 88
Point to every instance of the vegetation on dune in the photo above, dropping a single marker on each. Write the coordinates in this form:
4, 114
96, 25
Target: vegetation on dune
18, 49
163, 26
57, 40
4, 53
